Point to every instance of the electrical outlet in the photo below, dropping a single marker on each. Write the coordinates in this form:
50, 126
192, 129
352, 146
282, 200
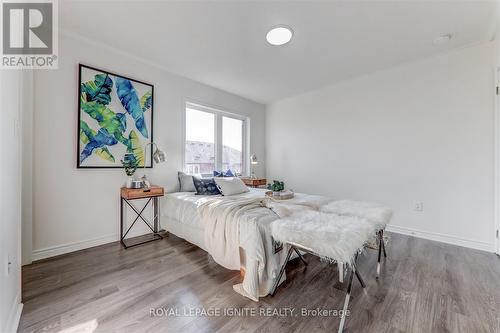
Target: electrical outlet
418, 206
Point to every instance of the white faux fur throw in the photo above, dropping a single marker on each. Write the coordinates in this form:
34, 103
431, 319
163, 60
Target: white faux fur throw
375, 213
331, 236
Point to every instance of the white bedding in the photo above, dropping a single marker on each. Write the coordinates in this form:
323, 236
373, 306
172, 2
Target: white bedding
182, 216
182, 206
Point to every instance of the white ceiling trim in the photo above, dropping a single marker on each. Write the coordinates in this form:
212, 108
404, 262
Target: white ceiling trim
73, 35
78, 37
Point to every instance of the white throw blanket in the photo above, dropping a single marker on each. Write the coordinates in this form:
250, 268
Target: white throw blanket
221, 217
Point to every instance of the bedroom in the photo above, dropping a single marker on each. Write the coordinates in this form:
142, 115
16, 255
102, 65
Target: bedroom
362, 103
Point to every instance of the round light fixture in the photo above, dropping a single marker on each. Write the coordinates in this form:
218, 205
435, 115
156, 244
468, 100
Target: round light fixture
279, 35
442, 39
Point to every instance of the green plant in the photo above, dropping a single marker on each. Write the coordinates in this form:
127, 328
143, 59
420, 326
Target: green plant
276, 186
130, 164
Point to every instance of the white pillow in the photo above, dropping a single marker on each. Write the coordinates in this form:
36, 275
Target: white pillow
230, 185
186, 182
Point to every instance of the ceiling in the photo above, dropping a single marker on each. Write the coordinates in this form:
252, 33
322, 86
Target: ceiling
223, 44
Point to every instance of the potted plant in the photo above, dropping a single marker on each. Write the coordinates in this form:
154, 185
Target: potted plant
277, 186
130, 164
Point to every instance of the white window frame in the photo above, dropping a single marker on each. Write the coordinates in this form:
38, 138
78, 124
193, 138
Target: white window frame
218, 114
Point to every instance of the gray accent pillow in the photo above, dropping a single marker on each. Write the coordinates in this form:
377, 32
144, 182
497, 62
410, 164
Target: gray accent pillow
186, 182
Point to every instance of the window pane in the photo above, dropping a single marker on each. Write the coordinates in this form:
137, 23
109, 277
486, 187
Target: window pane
200, 139
232, 144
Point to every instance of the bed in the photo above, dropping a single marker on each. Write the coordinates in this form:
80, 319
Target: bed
209, 221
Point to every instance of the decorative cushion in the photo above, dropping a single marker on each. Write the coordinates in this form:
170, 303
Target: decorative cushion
186, 182
228, 173
205, 186
230, 185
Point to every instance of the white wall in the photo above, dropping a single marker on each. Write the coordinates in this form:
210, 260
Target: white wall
27, 167
419, 132
10, 201
76, 208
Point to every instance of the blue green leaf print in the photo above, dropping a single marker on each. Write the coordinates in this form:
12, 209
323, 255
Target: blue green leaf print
98, 90
128, 97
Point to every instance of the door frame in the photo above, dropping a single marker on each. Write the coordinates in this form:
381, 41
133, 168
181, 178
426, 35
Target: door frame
496, 95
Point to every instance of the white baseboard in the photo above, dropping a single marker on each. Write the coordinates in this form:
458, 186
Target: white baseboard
71, 247
14, 315
434, 236
56, 250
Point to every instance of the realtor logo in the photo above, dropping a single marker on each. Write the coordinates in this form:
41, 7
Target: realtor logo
29, 38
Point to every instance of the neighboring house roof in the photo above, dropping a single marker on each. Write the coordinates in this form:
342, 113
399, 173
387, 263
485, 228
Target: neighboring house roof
202, 152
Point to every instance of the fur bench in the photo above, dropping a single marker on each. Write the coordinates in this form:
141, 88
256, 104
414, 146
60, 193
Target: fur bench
337, 233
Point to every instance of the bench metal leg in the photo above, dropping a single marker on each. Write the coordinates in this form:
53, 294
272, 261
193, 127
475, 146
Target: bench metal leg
354, 271
383, 244
347, 298
282, 270
300, 255
381, 247
378, 260
360, 279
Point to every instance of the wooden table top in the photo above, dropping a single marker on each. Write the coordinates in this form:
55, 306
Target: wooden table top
254, 181
138, 193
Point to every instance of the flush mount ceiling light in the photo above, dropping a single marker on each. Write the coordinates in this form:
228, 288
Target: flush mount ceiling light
279, 35
442, 39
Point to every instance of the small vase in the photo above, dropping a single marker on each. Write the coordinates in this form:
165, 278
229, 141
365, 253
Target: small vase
276, 193
130, 182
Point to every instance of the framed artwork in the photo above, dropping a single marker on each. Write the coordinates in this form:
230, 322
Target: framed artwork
115, 117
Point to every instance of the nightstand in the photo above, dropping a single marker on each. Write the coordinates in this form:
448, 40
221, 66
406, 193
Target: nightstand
127, 195
254, 182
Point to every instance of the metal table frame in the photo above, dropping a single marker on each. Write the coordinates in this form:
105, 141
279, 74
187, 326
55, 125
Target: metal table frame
154, 227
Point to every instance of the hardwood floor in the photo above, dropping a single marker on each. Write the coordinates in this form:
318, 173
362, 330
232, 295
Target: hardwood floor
425, 286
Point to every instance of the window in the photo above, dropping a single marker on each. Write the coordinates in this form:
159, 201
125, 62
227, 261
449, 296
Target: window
200, 142
232, 144
215, 140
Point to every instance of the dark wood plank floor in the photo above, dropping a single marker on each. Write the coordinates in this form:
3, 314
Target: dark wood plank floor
425, 287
